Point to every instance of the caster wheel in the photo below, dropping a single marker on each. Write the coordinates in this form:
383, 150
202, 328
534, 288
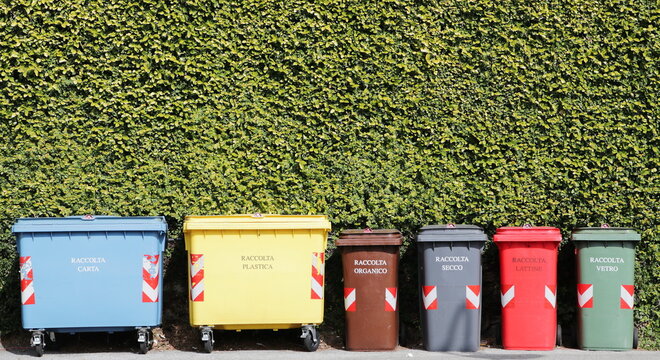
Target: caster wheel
207, 339
635, 338
144, 341
309, 333
208, 346
559, 340
144, 347
39, 349
310, 344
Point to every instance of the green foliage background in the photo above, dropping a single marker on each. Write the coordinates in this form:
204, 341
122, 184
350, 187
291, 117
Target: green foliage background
384, 113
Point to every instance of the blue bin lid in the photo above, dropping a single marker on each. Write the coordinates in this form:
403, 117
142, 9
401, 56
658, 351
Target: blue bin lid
451, 233
89, 223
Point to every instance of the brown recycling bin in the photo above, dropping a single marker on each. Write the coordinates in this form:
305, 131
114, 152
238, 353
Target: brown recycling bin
371, 263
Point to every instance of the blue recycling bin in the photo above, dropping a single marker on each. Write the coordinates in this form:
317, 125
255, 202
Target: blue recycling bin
90, 274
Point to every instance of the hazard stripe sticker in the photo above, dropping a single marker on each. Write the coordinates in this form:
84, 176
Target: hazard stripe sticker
585, 294
150, 278
627, 296
508, 293
318, 269
472, 297
197, 277
551, 296
430, 297
350, 299
27, 276
390, 299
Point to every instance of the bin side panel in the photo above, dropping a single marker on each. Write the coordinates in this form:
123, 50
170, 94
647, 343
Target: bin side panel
603, 268
528, 274
454, 324
92, 280
258, 277
371, 277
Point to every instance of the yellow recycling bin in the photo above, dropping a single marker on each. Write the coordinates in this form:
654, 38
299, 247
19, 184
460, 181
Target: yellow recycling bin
256, 272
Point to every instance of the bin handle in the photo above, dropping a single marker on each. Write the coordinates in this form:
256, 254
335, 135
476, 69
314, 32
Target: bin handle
88, 217
604, 225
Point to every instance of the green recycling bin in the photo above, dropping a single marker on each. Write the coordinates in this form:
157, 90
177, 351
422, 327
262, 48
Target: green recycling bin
605, 287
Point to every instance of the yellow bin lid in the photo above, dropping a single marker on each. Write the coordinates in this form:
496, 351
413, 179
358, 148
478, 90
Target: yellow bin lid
256, 222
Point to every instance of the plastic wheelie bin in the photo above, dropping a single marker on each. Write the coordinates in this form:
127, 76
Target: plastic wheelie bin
90, 273
528, 288
256, 272
450, 286
370, 261
605, 287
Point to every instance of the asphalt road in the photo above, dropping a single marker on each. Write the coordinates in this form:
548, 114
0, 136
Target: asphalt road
496, 354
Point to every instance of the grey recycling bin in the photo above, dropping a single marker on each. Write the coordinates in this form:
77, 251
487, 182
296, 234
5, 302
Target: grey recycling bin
450, 286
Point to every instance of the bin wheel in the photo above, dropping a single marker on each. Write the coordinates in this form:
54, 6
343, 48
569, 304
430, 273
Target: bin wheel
635, 338
37, 340
39, 349
310, 344
207, 339
208, 346
144, 341
559, 340
144, 347
310, 338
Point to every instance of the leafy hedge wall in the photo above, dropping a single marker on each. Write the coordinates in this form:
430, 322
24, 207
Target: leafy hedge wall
386, 113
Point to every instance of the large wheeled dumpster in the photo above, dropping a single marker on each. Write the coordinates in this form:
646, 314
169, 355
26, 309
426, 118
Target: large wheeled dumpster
87, 274
256, 272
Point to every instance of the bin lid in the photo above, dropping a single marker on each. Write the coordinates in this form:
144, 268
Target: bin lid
89, 223
361, 237
256, 222
451, 232
605, 233
527, 234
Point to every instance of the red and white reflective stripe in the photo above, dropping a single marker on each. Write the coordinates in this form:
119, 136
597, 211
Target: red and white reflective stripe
472, 297
349, 299
318, 260
551, 295
150, 278
197, 277
390, 299
430, 297
627, 296
585, 293
27, 287
508, 293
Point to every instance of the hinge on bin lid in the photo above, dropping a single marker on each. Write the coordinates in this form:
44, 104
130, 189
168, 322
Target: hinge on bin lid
257, 215
368, 230
88, 217
527, 226
604, 225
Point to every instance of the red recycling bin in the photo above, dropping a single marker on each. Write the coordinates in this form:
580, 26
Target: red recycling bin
528, 286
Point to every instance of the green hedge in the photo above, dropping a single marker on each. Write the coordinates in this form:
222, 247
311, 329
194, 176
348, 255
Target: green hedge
384, 113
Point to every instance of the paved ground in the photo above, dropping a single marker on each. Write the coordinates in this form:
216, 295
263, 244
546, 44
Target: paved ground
402, 353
